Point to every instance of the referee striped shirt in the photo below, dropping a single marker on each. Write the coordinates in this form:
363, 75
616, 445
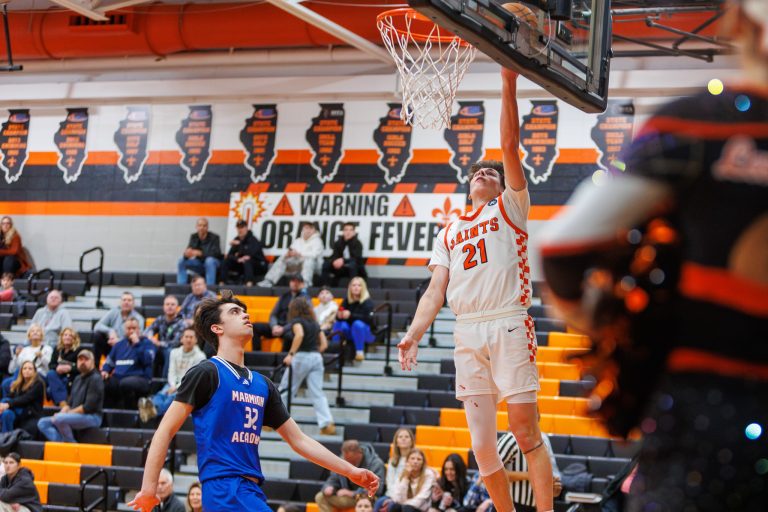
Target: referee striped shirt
513, 459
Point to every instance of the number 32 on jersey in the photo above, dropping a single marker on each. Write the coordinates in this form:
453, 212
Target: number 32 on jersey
472, 252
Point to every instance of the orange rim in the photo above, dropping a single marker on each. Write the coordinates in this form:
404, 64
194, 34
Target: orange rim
421, 27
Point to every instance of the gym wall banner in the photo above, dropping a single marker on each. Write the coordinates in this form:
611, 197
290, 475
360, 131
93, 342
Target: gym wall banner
397, 227
13, 144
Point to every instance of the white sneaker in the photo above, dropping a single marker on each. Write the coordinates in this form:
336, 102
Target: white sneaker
265, 283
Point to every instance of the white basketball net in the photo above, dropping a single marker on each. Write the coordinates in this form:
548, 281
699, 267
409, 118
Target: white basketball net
431, 70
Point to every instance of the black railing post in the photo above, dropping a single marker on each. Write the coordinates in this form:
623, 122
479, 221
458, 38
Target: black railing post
32, 281
388, 334
99, 269
103, 500
289, 369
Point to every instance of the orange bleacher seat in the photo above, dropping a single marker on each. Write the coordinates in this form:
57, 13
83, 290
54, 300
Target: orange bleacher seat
148, 322
258, 302
452, 418
549, 387
42, 490
272, 345
568, 340
560, 371
56, 472
437, 454
95, 454
312, 507
549, 355
567, 405
443, 436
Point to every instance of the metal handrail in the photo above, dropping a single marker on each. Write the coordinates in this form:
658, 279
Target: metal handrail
290, 383
99, 269
35, 293
340, 401
387, 333
103, 500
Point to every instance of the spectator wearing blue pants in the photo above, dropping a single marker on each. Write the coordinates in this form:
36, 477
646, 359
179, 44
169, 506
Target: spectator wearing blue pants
63, 368
24, 405
85, 405
182, 358
355, 316
202, 255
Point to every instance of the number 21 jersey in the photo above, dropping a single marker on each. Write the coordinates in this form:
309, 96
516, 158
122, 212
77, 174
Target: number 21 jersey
486, 253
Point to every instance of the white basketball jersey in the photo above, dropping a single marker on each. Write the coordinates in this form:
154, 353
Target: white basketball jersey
486, 253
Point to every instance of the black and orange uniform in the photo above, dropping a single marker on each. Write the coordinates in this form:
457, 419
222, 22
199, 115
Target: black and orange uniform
705, 160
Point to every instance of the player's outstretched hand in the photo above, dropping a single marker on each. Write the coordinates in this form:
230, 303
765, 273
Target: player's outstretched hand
365, 479
408, 349
144, 501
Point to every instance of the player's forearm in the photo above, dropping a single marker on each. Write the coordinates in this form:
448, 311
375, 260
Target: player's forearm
320, 455
510, 132
426, 312
155, 460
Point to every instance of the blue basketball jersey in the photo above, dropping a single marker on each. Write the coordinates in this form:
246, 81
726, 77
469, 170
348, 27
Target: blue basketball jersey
228, 428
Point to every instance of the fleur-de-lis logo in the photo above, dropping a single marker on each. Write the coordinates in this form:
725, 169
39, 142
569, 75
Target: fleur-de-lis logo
447, 213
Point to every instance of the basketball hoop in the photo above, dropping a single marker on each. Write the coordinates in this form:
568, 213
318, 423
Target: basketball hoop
431, 62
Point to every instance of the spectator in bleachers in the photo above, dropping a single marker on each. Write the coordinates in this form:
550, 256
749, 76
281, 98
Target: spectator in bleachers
193, 299
326, 310
109, 330
516, 468
413, 492
63, 366
202, 255
339, 491
245, 257
305, 358
452, 486
7, 291
53, 317
5, 356
363, 503
24, 404
165, 332
347, 257
13, 259
17, 487
402, 443
168, 501
127, 372
355, 316
477, 497
35, 351
302, 257
182, 359
278, 318
195, 497
84, 407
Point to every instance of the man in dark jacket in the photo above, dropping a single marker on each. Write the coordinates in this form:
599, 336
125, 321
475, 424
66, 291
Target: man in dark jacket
338, 491
245, 257
127, 372
278, 318
168, 502
202, 255
84, 407
347, 258
17, 487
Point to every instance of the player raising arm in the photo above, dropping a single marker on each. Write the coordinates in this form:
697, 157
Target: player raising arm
229, 405
480, 261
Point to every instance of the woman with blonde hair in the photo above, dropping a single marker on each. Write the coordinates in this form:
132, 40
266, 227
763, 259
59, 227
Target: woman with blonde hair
355, 316
24, 404
35, 351
63, 366
413, 492
13, 259
195, 497
402, 443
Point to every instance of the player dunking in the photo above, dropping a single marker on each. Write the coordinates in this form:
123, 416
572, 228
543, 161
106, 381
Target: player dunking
481, 262
229, 405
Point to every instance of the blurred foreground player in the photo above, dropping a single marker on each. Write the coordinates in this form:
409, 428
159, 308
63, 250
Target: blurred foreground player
481, 261
229, 406
683, 346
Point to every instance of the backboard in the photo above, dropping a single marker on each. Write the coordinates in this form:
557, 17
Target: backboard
562, 45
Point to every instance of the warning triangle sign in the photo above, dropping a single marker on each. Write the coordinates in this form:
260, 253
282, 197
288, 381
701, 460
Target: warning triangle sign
283, 207
404, 209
